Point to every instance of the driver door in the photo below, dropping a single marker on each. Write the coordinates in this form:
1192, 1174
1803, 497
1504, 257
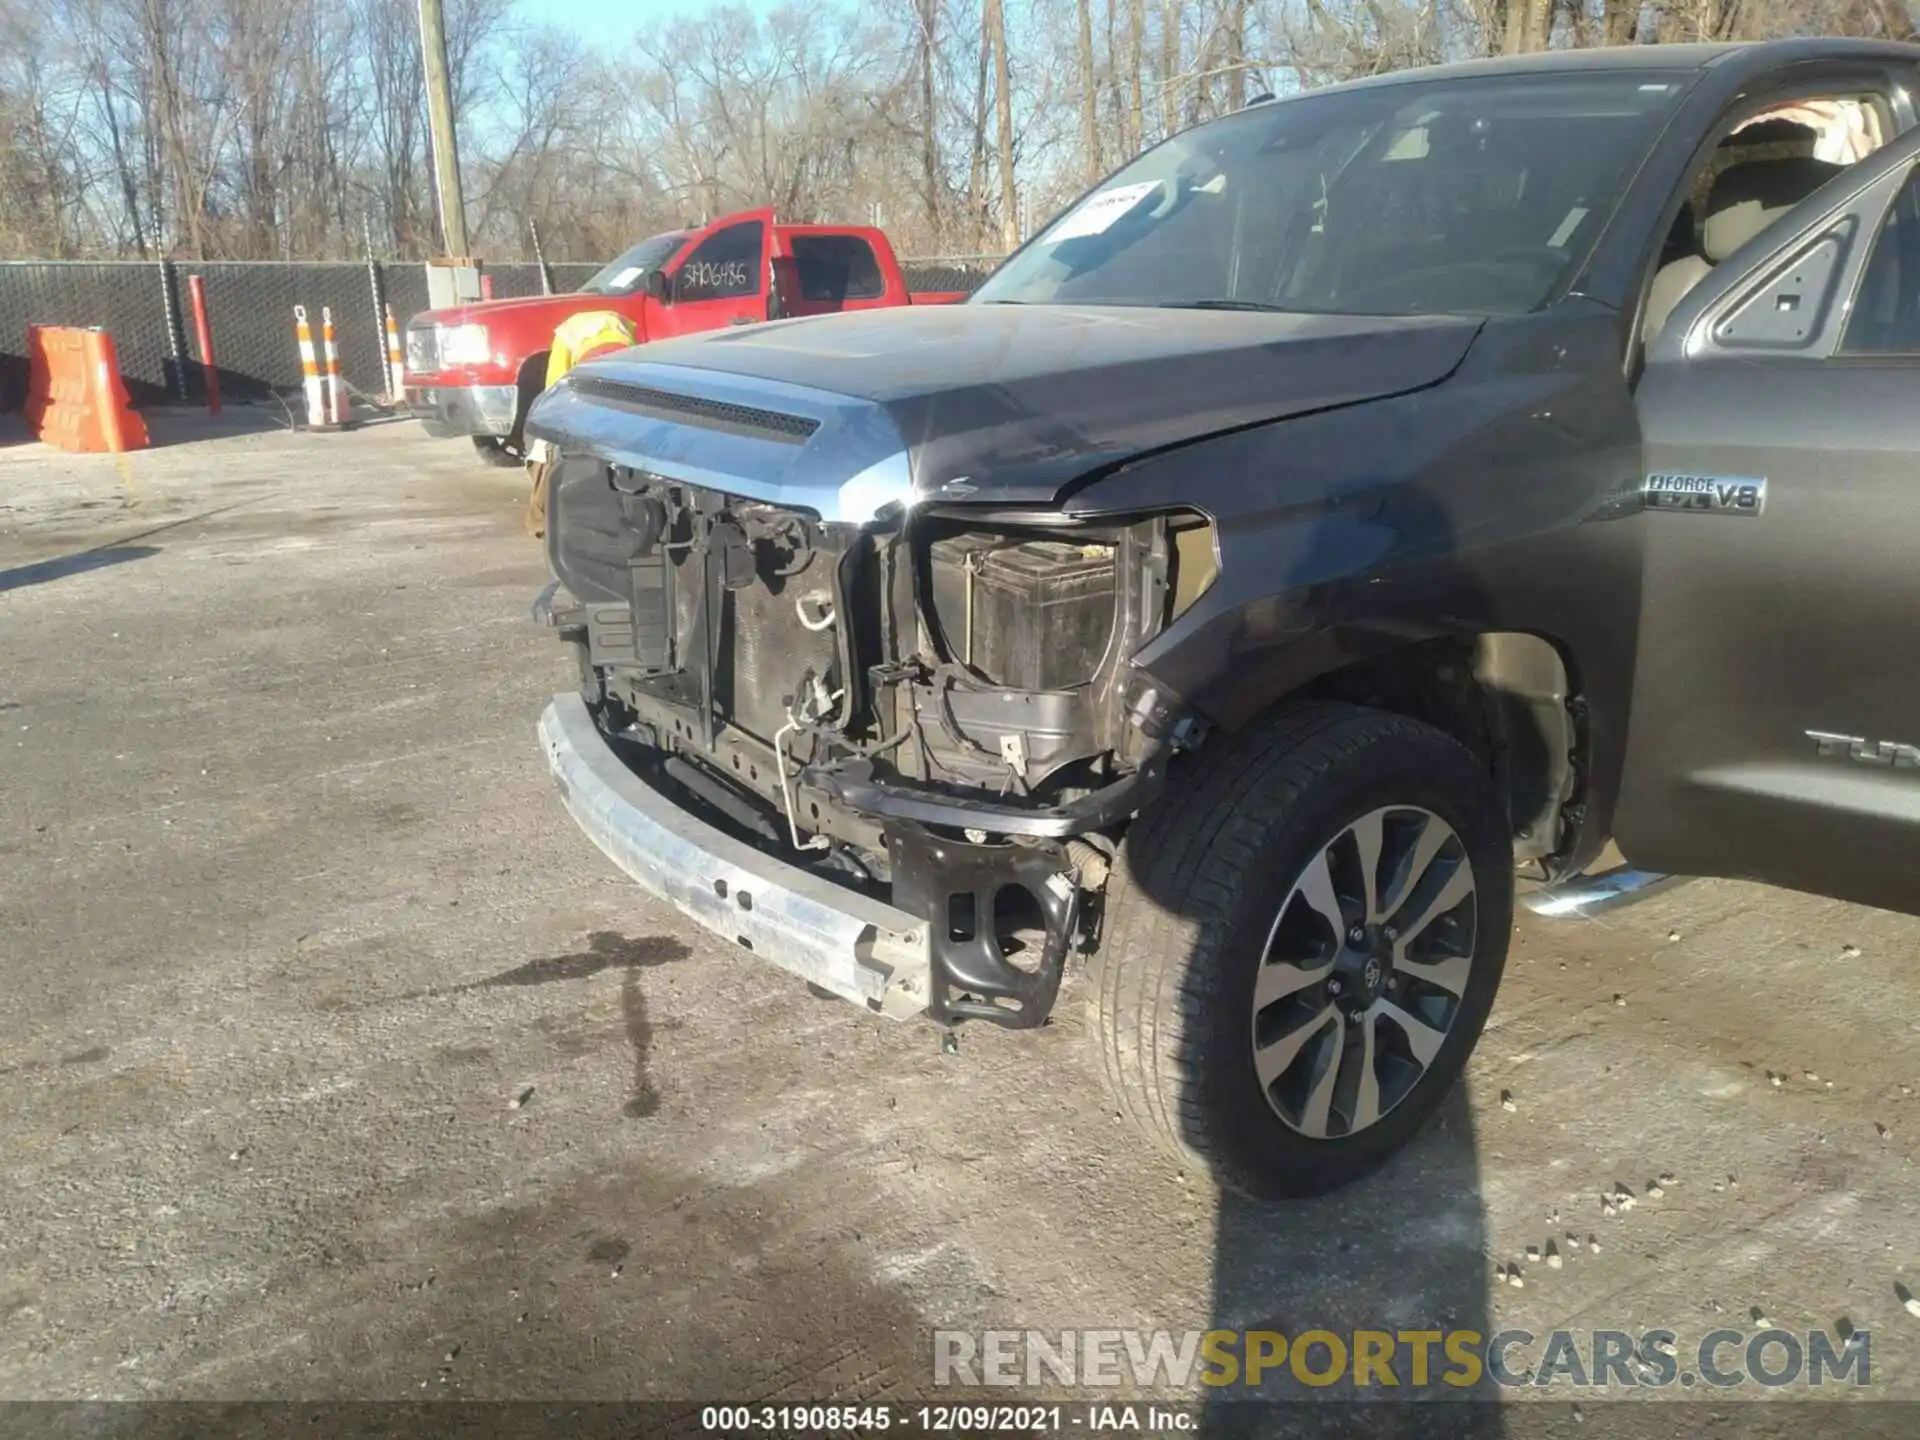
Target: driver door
723, 277
1775, 726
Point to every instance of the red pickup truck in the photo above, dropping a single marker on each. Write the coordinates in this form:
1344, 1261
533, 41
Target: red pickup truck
472, 370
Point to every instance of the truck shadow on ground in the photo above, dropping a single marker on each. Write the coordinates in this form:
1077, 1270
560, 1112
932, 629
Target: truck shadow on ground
1402, 1250
40, 572
104, 555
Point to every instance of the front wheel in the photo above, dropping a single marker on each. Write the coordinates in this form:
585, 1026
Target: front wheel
1303, 941
492, 450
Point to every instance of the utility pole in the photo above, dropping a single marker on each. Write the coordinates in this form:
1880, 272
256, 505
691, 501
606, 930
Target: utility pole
446, 152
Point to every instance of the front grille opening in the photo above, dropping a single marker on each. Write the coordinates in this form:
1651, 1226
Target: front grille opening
775, 425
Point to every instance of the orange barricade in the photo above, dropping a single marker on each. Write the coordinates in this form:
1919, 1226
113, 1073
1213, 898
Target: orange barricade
75, 397
36, 410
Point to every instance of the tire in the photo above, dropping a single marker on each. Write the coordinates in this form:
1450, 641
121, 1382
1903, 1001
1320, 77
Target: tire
492, 450
1220, 872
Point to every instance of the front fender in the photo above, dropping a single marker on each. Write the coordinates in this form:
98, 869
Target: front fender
1467, 507
1335, 545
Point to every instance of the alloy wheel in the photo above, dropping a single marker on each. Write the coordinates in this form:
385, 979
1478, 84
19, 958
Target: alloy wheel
1363, 972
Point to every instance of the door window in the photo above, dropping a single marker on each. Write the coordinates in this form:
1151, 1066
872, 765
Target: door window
725, 266
1767, 163
837, 267
1886, 312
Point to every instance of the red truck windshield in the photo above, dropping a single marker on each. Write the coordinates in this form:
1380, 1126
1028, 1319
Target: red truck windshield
620, 276
1463, 196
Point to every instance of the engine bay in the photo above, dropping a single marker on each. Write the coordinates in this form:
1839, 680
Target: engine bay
941, 691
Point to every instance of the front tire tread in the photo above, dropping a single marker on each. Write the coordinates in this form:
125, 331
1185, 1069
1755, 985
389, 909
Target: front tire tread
1160, 975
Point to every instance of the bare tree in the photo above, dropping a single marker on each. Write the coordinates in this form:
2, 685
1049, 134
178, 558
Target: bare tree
276, 128
1234, 52
1169, 66
1137, 64
996, 25
927, 13
1089, 94
977, 201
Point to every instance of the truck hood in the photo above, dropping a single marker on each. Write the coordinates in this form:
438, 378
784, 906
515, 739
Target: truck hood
529, 308
845, 414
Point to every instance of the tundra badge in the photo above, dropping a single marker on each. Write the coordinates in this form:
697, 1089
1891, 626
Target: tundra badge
1713, 494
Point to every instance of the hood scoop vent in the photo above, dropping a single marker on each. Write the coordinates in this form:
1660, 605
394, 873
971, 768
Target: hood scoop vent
720, 415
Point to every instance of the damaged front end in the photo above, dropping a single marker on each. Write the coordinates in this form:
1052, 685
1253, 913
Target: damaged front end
918, 715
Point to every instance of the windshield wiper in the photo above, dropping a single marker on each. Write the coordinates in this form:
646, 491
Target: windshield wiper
1220, 305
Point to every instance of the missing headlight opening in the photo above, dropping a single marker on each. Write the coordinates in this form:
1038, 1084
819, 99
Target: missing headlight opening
1035, 614
932, 709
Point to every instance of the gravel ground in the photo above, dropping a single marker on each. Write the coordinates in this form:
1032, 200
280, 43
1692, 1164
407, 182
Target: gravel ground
290, 920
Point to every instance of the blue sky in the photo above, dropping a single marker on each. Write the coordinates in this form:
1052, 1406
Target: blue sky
620, 19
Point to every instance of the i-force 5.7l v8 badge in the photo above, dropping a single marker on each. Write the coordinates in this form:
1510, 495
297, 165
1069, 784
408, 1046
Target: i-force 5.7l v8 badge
1888, 753
1712, 494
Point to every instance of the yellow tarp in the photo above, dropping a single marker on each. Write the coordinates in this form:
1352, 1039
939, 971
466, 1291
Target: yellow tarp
579, 336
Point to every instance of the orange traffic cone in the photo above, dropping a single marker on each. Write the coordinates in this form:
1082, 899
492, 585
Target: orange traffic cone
310, 373
396, 364
339, 407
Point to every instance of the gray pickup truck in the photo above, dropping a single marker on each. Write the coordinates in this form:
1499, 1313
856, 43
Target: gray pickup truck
1355, 511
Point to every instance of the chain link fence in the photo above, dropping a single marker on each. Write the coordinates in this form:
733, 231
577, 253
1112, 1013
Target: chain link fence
250, 307
948, 272
125, 299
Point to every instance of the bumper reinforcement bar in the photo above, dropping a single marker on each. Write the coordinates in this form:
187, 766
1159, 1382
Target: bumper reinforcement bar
838, 939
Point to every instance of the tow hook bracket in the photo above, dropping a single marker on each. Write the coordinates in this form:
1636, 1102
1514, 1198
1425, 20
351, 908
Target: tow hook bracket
958, 887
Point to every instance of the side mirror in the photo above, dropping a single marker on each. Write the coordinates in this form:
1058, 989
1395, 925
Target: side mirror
654, 283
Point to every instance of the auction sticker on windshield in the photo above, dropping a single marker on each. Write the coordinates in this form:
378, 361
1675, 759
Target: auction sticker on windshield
1098, 213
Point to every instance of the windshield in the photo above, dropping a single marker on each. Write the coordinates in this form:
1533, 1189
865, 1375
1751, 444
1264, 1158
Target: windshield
1447, 196
620, 276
